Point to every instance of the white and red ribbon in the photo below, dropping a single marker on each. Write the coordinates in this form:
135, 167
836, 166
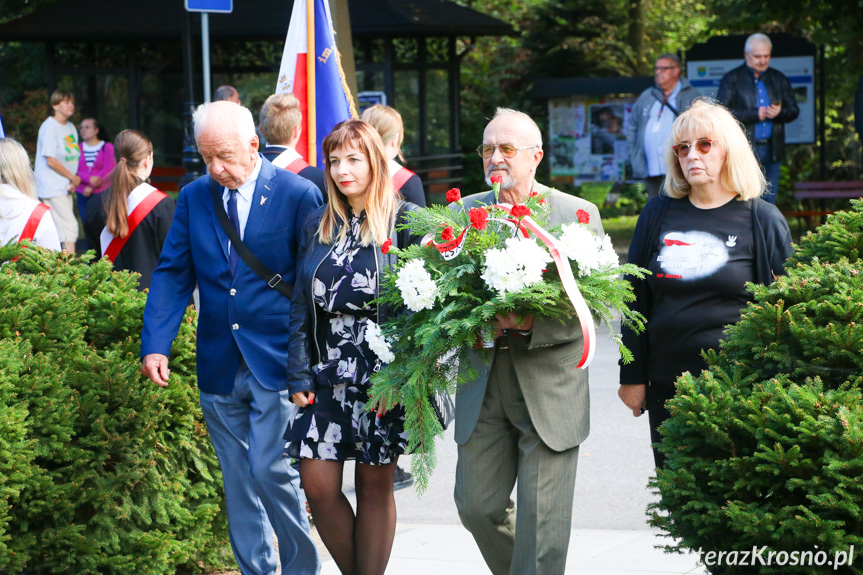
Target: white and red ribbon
452, 248
449, 249
588, 330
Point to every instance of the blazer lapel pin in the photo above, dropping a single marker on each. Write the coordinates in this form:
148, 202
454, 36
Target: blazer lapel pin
263, 200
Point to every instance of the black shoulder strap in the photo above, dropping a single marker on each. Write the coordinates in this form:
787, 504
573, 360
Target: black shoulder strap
273, 279
400, 236
661, 103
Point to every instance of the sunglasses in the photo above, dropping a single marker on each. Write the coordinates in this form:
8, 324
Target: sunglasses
703, 146
486, 151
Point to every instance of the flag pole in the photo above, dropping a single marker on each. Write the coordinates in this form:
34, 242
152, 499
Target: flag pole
311, 112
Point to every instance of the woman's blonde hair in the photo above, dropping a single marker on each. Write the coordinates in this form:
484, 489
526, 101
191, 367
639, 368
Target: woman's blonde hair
131, 147
381, 201
709, 119
388, 122
15, 167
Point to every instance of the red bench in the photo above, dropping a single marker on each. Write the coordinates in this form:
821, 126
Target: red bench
167, 179
813, 198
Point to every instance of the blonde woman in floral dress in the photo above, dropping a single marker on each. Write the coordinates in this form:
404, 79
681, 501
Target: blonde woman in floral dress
330, 362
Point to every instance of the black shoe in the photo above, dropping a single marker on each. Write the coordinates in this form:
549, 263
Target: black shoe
402, 479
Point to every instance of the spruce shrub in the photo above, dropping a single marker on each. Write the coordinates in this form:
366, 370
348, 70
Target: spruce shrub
765, 448
101, 471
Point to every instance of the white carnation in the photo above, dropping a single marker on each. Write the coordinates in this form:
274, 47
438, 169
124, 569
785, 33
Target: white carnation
377, 343
587, 250
516, 266
607, 255
417, 288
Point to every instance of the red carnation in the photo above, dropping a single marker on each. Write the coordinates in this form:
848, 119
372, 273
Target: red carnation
533, 194
496, 179
520, 211
583, 217
453, 195
446, 234
478, 218
386, 247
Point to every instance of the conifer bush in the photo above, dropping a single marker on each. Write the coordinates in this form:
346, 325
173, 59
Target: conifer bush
101, 471
765, 448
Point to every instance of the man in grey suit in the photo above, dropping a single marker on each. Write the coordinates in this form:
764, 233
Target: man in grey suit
524, 415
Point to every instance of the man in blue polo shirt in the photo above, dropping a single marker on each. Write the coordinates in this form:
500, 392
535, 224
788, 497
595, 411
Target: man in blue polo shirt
762, 99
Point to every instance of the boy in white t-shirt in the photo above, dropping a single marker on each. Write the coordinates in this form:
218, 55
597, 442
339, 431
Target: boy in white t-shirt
57, 153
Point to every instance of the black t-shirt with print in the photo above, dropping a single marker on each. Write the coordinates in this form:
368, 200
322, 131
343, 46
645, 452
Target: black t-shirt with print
700, 267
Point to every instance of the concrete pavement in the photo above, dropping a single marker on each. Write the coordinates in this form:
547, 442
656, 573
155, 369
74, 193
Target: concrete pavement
450, 550
610, 535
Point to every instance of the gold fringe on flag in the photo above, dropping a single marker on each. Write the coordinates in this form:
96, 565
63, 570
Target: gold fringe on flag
345, 86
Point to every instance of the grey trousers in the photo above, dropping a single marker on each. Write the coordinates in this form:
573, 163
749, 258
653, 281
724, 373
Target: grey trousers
262, 491
503, 448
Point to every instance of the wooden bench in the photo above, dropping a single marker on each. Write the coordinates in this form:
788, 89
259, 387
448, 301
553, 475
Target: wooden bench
813, 198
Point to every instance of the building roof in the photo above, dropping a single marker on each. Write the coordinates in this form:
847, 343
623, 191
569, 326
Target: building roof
251, 20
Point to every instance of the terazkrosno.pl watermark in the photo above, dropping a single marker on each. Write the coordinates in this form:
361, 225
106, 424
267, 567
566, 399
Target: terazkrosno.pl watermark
759, 556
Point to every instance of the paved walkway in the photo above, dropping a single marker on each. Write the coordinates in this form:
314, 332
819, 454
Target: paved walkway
450, 550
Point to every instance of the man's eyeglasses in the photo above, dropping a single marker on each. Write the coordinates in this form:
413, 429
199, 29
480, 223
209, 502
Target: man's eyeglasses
664, 68
486, 151
703, 146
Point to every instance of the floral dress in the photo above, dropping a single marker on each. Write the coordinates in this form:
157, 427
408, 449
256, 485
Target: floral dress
337, 426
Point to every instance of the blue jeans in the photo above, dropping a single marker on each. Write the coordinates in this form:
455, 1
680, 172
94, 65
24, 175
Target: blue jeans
771, 170
262, 490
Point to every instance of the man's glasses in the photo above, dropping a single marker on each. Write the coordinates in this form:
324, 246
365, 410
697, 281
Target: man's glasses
703, 146
486, 151
664, 68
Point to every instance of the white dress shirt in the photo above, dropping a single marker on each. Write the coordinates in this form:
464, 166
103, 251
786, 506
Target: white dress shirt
245, 193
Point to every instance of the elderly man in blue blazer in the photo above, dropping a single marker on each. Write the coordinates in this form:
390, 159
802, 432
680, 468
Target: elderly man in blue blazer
242, 347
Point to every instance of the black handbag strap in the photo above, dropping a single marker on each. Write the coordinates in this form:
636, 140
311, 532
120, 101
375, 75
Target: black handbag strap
273, 279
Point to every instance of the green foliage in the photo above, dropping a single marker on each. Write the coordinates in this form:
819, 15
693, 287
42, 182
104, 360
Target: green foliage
766, 447
428, 343
100, 470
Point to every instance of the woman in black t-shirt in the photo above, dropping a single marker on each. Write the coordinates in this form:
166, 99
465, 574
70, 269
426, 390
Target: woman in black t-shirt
703, 239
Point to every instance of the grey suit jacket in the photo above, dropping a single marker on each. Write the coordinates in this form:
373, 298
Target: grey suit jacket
555, 391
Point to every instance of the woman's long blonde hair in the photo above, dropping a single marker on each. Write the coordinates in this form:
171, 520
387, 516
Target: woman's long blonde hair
131, 147
15, 167
381, 201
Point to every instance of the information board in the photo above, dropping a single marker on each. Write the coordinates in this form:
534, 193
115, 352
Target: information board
706, 74
587, 137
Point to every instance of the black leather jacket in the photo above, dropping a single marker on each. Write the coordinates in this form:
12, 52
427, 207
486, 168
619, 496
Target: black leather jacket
738, 93
303, 347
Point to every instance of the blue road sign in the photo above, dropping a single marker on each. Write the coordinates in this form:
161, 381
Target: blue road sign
220, 6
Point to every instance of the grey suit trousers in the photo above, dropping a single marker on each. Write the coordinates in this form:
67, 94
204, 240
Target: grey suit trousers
504, 447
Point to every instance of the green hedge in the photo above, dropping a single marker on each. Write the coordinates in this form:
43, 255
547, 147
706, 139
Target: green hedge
101, 471
765, 449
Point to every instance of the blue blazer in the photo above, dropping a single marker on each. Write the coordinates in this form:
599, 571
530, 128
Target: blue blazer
240, 316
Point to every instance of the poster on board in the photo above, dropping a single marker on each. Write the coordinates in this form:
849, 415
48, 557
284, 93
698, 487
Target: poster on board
588, 138
706, 74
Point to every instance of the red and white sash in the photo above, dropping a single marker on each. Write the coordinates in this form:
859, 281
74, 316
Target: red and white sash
33, 222
291, 160
140, 203
400, 175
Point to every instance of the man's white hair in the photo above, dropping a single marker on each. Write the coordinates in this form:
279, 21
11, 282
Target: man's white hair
225, 115
533, 133
757, 38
